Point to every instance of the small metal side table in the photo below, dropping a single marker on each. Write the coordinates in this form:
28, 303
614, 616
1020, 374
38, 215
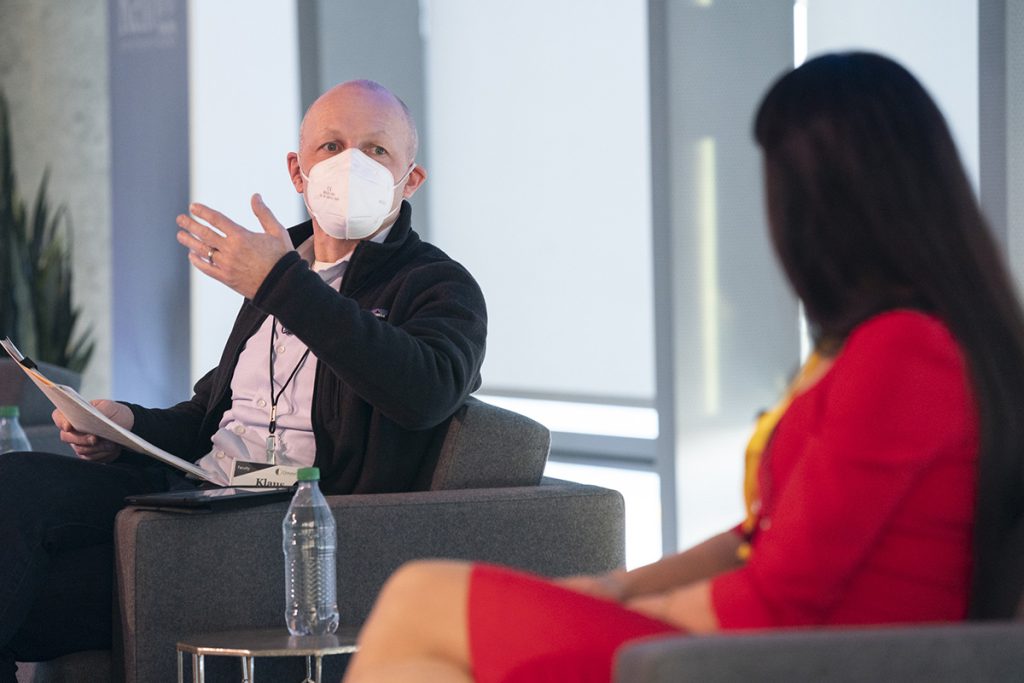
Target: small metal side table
248, 645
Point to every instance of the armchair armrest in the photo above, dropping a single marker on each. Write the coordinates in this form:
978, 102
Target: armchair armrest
958, 652
181, 574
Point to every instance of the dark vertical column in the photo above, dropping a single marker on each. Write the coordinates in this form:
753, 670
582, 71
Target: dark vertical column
376, 40
150, 181
309, 51
661, 243
726, 329
992, 128
1014, 132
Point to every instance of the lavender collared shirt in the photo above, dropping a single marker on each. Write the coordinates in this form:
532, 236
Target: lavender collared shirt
244, 427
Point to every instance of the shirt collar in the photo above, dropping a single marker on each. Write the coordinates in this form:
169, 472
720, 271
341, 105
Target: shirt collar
330, 271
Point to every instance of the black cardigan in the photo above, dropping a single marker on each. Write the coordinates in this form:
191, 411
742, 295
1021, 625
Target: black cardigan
398, 351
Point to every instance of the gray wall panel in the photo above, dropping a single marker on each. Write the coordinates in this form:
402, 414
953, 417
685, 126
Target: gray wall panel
727, 323
992, 128
1015, 136
150, 180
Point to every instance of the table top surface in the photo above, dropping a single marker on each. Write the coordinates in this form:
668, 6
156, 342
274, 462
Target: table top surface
274, 642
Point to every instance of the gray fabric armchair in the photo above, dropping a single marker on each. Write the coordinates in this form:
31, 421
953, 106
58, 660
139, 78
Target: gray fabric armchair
556, 528
955, 653
184, 574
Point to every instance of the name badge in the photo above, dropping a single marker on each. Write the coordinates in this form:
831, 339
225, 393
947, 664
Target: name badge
244, 473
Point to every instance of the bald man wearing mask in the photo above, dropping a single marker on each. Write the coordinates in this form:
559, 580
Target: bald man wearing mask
355, 345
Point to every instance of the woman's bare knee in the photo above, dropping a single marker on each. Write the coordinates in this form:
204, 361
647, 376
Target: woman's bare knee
423, 590
421, 612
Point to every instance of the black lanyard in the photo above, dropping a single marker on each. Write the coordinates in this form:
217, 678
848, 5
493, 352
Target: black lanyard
274, 398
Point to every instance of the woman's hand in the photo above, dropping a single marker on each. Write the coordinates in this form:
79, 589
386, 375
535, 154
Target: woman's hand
607, 586
90, 446
688, 607
654, 606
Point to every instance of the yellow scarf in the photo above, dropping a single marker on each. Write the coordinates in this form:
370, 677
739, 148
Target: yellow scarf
763, 430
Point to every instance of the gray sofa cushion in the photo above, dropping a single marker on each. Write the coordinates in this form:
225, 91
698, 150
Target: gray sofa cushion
930, 654
490, 447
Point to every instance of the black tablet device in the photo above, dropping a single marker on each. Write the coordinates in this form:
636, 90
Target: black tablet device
211, 499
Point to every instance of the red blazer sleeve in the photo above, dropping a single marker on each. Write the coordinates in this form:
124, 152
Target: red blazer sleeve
896, 400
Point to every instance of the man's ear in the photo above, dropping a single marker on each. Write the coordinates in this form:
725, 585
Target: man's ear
417, 176
295, 173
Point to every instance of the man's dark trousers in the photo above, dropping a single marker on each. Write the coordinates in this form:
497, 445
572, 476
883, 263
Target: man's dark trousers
56, 552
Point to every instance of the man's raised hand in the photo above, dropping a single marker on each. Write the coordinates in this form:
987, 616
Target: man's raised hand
229, 253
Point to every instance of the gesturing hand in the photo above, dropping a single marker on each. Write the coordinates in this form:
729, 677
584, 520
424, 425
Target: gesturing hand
235, 256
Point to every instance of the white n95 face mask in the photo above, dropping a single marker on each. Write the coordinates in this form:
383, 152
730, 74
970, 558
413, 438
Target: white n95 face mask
350, 194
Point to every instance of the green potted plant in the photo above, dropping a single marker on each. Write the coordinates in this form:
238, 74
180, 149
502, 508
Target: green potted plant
36, 309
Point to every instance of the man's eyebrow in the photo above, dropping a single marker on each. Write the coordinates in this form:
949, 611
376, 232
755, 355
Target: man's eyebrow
380, 135
374, 136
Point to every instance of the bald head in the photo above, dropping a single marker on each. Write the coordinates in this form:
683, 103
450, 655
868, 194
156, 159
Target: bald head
363, 116
368, 95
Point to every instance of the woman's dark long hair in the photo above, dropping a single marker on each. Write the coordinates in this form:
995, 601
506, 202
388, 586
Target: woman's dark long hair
870, 209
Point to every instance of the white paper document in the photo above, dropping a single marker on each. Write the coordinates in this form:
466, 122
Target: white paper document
86, 418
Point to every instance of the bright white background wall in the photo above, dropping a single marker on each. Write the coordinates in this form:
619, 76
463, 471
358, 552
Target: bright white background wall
936, 39
539, 133
244, 76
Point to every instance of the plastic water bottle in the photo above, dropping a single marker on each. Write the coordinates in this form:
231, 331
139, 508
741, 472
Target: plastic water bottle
310, 542
12, 436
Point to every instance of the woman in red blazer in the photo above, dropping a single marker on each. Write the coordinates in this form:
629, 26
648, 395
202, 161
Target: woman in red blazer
887, 484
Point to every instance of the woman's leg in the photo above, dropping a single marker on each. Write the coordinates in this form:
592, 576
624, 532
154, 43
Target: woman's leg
418, 629
448, 622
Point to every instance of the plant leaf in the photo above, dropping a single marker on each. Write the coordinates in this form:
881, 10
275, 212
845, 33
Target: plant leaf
36, 306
